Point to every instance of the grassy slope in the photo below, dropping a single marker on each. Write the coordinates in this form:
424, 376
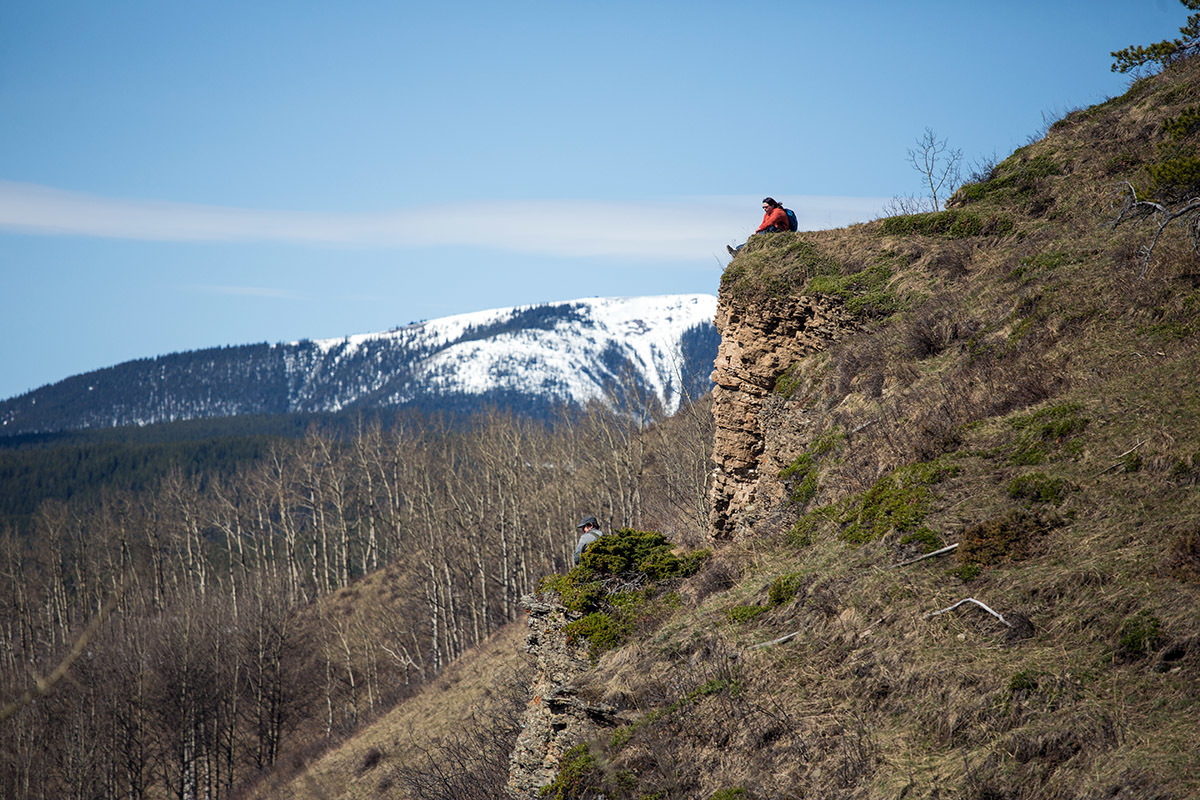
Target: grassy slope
363, 765
1029, 351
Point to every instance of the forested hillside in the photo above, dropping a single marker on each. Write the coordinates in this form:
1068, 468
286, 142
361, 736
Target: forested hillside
89, 463
238, 627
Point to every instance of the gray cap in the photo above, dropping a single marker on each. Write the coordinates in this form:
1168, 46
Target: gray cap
589, 520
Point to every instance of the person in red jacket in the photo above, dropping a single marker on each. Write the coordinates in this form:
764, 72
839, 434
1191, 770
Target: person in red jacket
775, 220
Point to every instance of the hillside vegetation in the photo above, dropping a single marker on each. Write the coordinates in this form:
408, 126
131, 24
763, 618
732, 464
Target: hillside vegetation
1020, 381
1012, 393
238, 614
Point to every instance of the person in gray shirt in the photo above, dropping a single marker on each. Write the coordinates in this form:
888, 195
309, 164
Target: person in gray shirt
589, 531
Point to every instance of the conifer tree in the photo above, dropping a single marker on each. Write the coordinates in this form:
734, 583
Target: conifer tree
1165, 52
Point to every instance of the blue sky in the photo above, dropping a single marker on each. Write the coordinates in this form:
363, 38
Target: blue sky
176, 176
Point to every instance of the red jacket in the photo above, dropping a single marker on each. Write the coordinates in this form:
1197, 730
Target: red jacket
777, 217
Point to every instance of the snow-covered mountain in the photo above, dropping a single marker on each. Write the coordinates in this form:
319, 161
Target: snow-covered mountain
656, 350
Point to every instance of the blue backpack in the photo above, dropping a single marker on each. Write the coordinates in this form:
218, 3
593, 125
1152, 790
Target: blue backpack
793, 223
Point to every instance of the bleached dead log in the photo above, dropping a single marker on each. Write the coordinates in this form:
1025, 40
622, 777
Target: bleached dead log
968, 600
941, 552
780, 640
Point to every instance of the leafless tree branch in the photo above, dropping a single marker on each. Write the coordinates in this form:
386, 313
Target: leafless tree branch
967, 600
1131, 208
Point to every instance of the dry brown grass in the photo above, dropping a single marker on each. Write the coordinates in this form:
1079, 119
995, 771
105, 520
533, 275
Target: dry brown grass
362, 766
873, 699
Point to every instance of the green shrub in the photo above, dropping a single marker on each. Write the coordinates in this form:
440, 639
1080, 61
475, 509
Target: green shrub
784, 588
1040, 166
1182, 126
621, 737
1048, 261
774, 266
897, 501
967, 572
801, 534
1038, 487
788, 381
714, 686
736, 793
578, 589
864, 292
1028, 453
1017, 178
1140, 635
1056, 422
1174, 179
601, 630
579, 776
744, 613
952, 224
627, 552
1056, 426
1183, 467
1024, 681
622, 558
926, 537
800, 476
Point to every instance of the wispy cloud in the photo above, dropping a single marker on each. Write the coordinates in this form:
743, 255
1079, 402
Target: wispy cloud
676, 229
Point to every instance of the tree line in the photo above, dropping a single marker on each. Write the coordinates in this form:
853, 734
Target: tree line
275, 607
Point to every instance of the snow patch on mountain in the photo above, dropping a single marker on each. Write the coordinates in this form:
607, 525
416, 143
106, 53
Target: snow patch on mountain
637, 340
631, 352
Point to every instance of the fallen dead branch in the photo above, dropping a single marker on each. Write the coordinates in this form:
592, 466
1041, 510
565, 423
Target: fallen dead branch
943, 551
1131, 207
780, 640
42, 686
1119, 462
968, 600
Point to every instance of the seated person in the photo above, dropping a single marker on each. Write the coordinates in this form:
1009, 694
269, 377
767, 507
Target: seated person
589, 531
775, 220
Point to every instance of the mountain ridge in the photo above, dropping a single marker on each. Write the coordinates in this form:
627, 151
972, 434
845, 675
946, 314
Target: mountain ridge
523, 358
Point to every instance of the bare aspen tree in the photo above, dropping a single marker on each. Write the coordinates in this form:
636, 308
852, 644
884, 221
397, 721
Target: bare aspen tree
463, 519
367, 453
182, 506
273, 482
939, 166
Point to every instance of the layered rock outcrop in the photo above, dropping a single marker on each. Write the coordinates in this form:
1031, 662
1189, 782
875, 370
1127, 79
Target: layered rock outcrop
759, 343
557, 717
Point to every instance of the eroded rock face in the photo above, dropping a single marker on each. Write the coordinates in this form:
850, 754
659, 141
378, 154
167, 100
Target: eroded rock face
758, 344
557, 717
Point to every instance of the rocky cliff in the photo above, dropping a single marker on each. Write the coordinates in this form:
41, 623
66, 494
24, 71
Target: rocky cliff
760, 344
955, 517
557, 716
